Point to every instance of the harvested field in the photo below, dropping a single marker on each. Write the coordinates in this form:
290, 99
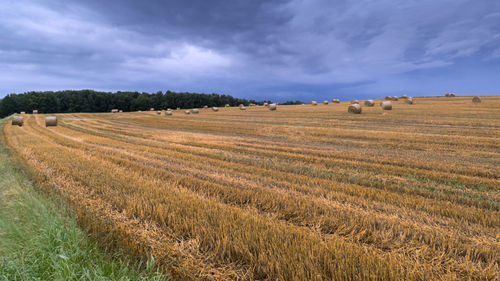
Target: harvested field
301, 193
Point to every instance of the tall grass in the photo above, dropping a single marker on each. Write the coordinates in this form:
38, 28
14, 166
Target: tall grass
38, 242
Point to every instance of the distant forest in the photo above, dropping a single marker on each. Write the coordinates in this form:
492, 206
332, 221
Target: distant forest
92, 101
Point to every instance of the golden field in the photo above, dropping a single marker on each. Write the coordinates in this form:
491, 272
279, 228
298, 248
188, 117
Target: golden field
302, 193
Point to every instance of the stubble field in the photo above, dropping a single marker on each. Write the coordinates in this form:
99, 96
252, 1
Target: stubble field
302, 193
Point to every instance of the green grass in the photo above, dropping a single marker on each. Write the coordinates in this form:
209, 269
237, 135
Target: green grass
39, 242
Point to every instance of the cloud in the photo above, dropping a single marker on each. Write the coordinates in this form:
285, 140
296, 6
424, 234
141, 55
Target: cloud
261, 48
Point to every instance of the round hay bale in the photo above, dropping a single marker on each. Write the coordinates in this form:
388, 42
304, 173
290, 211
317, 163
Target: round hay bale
241, 105
195, 111
404, 96
266, 104
369, 103
114, 110
178, 108
50, 121
35, 111
120, 111
355, 102
151, 109
23, 112
387, 98
325, 102
476, 99
314, 103
187, 111
215, 108
335, 100
243, 108
227, 105
386, 105
252, 104
17, 121
395, 98
273, 106
354, 108
409, 100
452, 95
158, 112
205, 106
168, 112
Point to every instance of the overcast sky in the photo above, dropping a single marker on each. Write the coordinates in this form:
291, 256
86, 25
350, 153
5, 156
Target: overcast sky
278, 50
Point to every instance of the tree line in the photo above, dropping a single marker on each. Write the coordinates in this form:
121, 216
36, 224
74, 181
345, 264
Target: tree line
70, 101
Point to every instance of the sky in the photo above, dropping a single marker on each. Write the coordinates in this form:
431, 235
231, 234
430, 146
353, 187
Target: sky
274, 50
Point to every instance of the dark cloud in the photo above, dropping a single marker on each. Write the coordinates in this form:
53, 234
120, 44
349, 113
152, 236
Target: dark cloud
284, 49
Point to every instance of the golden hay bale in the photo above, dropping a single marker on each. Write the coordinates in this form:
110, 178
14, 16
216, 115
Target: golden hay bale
409, 100
205, 106
215, 108
252, 104
241, 105
114, 110
50, 121
387, 98
452, 95
404, 96
386, 105
335, 100
273, 106
17, 121
120, 111
314, 103
168, 112
369, 103
195, 111
35, 111
243, 108
151, 109
23, 112
395, 98
158, 112
325, 102
178, 108
476, 99
354, 108
187, 111
355, 102
266, 104
227, 105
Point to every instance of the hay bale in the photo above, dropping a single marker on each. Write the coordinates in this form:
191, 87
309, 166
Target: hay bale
314, 103
369, 103
335, 100
452, 95
114, 110
227, 105
195, 111
158, 112
23, 112
395, 98
387, 98
404, 96
354, 108
386, 105
120, 111
50, 121
178, 108
187, 111
266, 104
17, 121
151, 109
252, 104
273, 106
243, 108
205, 106
476, 99
35, 111
409, 100
215, 108
325, 102
168, 112
355, 102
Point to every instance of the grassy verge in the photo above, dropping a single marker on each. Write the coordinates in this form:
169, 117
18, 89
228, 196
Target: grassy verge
38, 242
